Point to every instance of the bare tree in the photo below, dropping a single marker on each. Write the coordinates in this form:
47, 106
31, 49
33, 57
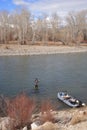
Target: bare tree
55, 21
4, 26
82, 24
34, 28
38, 29
41, 29
45, 29
22, 24
76, 24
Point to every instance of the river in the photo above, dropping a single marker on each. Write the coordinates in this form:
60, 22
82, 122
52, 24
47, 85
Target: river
58, 72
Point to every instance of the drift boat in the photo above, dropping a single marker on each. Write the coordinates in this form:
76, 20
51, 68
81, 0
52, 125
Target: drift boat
69, 100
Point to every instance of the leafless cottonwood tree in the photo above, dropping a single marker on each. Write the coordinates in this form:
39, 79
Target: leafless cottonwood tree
55, 21
22, 25
76, 25
38, 30
4, 26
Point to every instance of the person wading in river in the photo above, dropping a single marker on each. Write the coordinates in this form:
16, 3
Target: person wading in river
36, 83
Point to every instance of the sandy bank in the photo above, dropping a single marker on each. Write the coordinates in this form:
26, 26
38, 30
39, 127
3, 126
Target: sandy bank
6, 50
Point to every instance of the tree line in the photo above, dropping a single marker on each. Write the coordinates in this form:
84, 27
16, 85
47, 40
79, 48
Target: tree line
22, 27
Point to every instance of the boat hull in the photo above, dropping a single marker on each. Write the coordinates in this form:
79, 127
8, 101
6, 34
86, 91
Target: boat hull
69, 100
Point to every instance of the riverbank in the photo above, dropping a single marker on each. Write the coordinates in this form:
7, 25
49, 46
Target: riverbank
7, 50
71, 119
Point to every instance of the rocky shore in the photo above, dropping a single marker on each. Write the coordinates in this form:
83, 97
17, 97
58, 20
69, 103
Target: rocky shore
7, 50
72, 119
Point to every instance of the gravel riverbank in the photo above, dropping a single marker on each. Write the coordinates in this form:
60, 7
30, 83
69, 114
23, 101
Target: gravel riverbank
7, 50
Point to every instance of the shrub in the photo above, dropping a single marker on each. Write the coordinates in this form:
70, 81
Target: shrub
46, 111
20, 109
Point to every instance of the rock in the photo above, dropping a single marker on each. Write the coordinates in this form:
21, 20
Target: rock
25, 128
35, 116
35, 124
5, 123
46, 126
49, 126
79, 117
80, 126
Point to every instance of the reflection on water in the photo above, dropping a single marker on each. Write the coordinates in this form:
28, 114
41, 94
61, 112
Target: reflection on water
55, 72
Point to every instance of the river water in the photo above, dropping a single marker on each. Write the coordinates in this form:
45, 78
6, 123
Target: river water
58, 72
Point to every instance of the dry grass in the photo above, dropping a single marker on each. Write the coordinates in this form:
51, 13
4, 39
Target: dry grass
20, 109
46, 112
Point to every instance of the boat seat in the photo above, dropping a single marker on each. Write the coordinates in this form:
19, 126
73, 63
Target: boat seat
66, 97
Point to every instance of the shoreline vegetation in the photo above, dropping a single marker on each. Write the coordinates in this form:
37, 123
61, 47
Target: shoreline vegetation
14, 50
23, 117
22, 26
